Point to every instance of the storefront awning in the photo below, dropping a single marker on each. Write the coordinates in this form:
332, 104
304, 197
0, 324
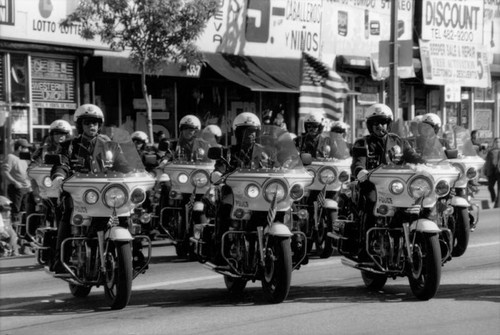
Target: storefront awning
258, 73
118, 62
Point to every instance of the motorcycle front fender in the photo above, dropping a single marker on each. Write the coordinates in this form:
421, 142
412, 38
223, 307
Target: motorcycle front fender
117, 233
459, 202
425, 226
278, 229
331, 204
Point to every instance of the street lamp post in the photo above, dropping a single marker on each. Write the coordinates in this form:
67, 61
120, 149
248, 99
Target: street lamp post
393, 61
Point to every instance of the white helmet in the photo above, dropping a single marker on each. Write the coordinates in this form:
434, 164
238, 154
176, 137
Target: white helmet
190, 122
88, 111
315, 117
60, 127
339, 127
418, 118
139, 135
246, 119
212, 129
432, 119
379, 110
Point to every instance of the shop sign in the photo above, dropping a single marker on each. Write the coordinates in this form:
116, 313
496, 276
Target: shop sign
280, 28
53, 83
446, 63
455, 21
452, 93
39, 21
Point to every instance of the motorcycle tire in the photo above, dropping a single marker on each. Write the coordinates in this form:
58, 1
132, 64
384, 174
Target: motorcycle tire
373, 281
461, 232
324, 243
235, 285
118, 285
278, 269
79, 291
425, 275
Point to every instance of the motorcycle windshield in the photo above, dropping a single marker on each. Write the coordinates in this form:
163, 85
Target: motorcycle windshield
332, 145
118, 148
275, 148
199, 153
460, 140
428, 144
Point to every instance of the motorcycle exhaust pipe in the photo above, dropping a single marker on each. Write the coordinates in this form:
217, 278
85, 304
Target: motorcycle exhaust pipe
359, 266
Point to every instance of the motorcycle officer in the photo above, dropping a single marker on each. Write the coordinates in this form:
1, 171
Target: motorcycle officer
79, 156
144, 150
308, 142
379, 147
428, 133
212, 134
187, 146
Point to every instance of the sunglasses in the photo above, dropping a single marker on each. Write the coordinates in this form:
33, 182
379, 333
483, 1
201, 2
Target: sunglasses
381, 122
312, 126
89, 122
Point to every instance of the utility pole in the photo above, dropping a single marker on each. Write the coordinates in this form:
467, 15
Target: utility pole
393, 61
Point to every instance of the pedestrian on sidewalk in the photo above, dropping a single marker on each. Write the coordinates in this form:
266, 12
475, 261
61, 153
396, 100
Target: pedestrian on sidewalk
492, 171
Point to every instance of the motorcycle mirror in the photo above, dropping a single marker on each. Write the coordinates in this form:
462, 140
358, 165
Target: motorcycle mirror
25, 155
52, 159
306, 158
451, 153
215, 175
150, 159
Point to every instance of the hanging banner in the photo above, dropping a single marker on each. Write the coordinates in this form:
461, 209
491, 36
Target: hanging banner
445, 63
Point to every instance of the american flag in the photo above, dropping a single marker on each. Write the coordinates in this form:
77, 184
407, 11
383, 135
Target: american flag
271, 214
321, 89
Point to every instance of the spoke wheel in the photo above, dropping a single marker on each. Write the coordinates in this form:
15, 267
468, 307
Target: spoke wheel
278, 269
425, 275
118, 285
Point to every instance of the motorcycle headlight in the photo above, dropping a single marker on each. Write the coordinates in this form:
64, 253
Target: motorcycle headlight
327, 175
199, 178
138, 195
275, 187
252, 191
182, 178
91, 197
442, 188
115, 196
420, 187
396, 187
47, 182
296, 192
343, 176
471, 173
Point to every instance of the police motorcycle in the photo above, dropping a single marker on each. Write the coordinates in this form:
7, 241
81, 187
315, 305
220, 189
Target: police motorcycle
465, 216
397, 237
101, 243
181, 180
257, 240
330, 168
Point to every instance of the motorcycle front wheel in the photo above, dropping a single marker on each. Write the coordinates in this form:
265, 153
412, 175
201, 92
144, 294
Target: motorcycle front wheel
277, 269
118, 286
461, 232
425, 274
324, 243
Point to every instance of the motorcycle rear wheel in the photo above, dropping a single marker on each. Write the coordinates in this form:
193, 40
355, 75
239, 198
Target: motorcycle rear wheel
118, 286
373, 281
79, 291
461, 232
425, 276
278, 269
235, 285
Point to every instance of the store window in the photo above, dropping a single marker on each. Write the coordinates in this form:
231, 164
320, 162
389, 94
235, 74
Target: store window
19, 78
484, 117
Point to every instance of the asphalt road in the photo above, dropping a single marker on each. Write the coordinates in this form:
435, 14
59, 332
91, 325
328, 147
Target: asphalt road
179, 297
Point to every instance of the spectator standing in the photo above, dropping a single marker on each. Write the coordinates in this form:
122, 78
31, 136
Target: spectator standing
14, 169
7, 232
492, 171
